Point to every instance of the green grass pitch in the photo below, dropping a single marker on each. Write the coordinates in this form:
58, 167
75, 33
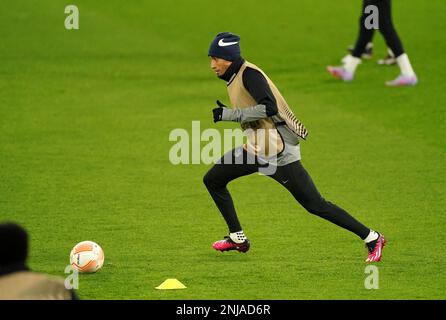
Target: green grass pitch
85, 117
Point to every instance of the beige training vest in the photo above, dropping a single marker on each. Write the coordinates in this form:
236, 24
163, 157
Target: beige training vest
263, 137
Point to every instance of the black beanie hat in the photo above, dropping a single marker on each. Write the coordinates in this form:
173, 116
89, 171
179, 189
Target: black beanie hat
13, 244
226, 46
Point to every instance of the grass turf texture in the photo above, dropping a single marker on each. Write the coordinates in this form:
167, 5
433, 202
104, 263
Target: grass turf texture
84, 122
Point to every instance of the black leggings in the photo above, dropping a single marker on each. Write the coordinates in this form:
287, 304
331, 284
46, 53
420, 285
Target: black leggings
385, 27
292, 176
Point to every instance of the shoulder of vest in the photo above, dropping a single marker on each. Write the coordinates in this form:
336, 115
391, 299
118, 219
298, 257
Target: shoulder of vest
251, 65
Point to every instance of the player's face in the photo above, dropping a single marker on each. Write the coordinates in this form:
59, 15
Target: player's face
219, 66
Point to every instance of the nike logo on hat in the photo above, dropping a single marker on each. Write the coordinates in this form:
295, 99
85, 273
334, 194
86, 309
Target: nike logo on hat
221, 43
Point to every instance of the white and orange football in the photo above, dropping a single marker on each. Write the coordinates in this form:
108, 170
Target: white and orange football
87, 257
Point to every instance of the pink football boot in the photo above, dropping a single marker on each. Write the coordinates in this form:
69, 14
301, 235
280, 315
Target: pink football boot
340, 73
375, 252
403, 81
227, 244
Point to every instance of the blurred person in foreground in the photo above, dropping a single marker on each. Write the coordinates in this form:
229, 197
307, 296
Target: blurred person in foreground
17, 281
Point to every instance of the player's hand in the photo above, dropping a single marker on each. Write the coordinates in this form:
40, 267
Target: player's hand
218, 112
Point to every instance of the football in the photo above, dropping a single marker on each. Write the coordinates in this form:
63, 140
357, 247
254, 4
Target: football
87, 257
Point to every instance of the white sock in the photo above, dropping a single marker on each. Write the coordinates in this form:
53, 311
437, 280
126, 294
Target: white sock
351, 63
405, 66
372, 236
238, 237
344, 59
